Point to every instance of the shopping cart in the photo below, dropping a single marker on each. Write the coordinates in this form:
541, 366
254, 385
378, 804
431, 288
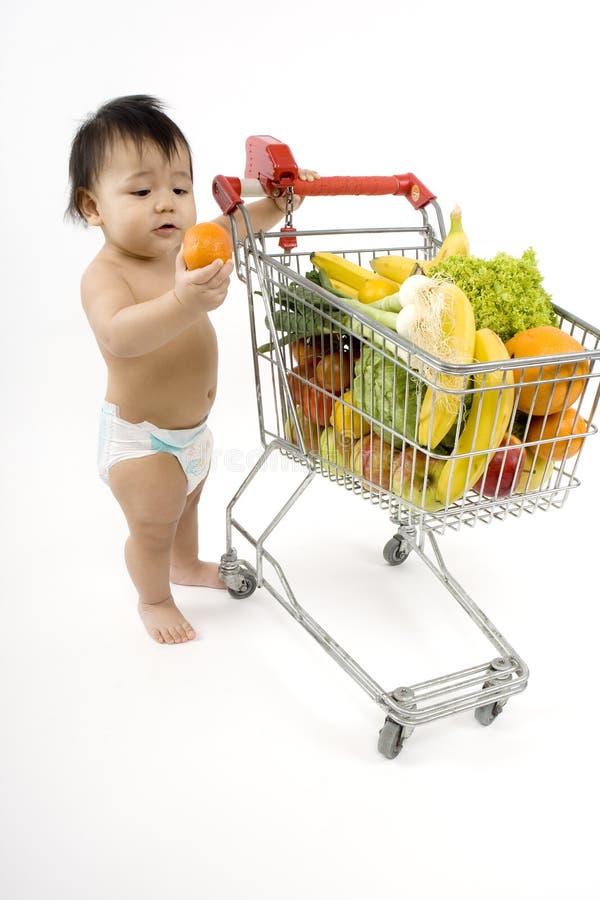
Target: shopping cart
290, 314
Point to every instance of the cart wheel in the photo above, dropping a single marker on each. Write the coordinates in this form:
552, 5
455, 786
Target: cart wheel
395, 551
391, 738
485, 715
247, 587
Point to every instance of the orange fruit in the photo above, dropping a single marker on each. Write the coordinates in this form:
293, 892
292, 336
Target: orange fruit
551, 395
561, 427
205, 242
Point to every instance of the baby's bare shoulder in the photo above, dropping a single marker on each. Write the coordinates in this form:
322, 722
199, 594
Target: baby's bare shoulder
104, 291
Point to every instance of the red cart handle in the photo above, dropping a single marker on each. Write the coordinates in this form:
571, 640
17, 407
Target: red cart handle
271, 169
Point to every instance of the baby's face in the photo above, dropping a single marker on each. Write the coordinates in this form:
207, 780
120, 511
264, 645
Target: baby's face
145, 202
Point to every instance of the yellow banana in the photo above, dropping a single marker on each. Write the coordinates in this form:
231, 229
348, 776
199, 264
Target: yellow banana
344, 288
398, 268
341, 269
486, 424
456, 243
440, 408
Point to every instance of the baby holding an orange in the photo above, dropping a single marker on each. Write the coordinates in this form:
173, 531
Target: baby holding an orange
131, 175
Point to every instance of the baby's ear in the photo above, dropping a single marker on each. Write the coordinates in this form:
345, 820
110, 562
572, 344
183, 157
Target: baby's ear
88, 207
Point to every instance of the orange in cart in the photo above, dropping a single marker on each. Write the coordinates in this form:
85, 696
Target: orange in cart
541, 392
205, 242
558, 428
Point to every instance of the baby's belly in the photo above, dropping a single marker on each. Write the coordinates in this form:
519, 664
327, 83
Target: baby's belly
174, 387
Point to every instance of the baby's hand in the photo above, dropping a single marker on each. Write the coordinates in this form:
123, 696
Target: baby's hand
303, 175
202, 289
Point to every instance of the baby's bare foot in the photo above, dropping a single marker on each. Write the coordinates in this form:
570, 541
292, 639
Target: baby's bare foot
165, 623
198, 574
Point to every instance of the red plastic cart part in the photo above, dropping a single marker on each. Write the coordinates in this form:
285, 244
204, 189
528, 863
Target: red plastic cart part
270, 162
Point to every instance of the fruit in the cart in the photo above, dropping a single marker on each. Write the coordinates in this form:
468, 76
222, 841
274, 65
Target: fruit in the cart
205, 242
563, 430
341, 269
536, 472
486, 423
456, 242
347, 421
372, 459
397, 268
334, 371
415, 476
344, 288
549, 395
332, 451
310, 431
503, 471
304, 349
376, 289
316, 404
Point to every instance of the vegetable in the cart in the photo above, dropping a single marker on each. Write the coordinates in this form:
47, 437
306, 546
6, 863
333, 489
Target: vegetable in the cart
486, 424
316, 403
539, 391
347, 421
506, 292
334, 371
300, 314
438, 317
388, 393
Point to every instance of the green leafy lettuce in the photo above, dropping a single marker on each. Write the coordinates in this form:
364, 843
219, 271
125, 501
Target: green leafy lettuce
387, 392
506, 292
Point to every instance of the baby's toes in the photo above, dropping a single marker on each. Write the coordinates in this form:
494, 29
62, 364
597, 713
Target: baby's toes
189, 632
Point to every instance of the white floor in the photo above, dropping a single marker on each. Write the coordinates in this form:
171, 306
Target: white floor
245, 763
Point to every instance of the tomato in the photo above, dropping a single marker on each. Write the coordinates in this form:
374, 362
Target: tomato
334, 372
317, 406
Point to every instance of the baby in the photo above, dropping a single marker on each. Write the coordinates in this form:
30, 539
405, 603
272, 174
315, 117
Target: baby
131, 175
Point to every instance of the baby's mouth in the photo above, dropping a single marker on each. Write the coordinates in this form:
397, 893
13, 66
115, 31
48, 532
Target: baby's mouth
165, 228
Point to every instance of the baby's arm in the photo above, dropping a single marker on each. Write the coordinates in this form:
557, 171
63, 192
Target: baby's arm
126, 328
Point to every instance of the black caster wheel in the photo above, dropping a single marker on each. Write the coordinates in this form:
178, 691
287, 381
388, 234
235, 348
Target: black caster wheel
247, 587
395, 551
391, 738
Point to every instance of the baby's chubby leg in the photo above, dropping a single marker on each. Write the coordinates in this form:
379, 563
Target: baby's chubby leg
186, 568
152, 493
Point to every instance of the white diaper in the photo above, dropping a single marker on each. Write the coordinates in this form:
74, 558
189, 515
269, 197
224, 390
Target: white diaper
119, 440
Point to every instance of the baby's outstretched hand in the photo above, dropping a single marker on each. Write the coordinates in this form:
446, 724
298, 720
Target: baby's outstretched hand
202, 289
303, 175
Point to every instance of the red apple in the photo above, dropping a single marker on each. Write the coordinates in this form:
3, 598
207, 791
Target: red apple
372, 458
415, 476
503, 471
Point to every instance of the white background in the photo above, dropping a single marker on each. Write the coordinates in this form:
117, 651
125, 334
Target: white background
244, 764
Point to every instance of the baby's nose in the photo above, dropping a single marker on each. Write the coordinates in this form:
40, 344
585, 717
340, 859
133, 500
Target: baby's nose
165, 200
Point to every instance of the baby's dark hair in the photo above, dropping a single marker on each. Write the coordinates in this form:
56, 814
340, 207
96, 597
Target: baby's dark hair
139, 118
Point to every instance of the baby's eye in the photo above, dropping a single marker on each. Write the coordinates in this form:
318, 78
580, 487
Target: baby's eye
179, 191
142, 193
